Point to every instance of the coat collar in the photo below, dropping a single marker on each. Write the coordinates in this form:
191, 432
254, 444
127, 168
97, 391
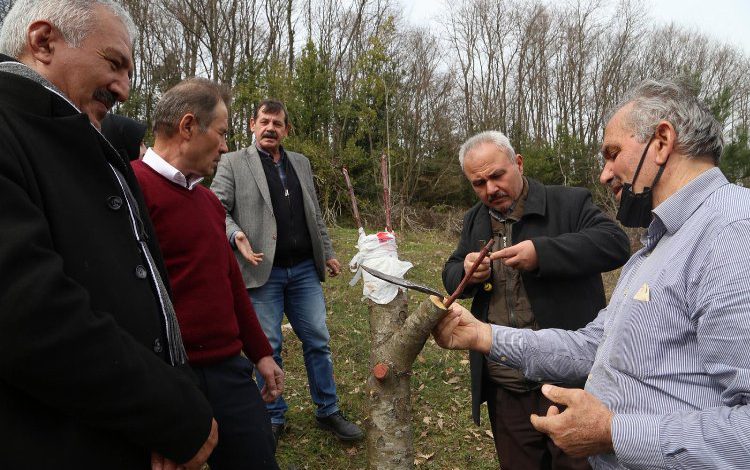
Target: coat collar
252, 159
30, 95
536, 201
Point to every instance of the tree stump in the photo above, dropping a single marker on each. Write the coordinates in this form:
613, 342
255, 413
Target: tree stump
397, 338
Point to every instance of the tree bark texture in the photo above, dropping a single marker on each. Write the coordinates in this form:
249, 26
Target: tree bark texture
397, 338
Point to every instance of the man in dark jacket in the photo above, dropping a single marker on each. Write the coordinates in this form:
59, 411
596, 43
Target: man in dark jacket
551, 245
91, 361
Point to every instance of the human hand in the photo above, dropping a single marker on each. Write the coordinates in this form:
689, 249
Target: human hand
483, 270
521, 256
273, 376
334, 267
585, 426
243, 245
159, 462
458, 329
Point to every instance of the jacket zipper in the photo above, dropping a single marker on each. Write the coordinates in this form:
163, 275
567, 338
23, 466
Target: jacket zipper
509, 278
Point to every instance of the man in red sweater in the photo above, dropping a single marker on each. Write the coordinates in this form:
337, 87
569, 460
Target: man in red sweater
216, 318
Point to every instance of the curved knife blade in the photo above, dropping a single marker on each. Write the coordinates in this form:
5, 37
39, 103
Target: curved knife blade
402, 282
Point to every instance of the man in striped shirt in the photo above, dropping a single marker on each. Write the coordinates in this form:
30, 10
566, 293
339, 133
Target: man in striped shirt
666, 365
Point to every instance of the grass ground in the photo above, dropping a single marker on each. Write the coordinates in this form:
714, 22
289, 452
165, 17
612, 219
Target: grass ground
445, 436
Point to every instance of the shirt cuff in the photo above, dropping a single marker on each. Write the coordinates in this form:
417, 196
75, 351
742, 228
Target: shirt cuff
231, 239
506, 346
635, 439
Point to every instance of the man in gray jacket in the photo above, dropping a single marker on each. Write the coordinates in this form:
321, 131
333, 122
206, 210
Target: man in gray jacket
282, 246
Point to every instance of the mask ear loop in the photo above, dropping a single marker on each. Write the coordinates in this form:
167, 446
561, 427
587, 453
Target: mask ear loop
640, 162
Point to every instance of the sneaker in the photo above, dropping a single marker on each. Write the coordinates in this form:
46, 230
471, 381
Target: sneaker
277, 429
341, 427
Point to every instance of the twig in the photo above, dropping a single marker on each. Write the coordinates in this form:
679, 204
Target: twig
467, 276
386, 192
353, 198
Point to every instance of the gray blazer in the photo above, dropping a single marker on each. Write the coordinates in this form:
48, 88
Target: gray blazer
241, 186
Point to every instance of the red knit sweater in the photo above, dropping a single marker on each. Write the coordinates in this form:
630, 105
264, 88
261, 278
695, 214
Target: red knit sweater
213, 309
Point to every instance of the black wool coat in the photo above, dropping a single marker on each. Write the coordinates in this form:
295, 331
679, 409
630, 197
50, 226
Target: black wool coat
575, 242
83, 378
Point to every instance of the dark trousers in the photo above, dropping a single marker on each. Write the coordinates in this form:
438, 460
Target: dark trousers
519, 446
245, 438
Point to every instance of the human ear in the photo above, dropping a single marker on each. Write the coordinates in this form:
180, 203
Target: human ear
41, 39
187, 126
665, 139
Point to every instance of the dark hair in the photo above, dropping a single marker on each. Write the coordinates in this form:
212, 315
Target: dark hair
271, 106
124, 134
198, 96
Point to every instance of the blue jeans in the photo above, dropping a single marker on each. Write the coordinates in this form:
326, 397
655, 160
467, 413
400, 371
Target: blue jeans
296, 291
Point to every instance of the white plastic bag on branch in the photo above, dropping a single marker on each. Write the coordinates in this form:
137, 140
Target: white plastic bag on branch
378, 251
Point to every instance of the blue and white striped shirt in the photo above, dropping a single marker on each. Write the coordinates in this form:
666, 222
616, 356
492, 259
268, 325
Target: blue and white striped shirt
670, 354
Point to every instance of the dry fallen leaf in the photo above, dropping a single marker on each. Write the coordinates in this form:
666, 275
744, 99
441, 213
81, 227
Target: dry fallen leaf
440, 423
489, 433
426, 420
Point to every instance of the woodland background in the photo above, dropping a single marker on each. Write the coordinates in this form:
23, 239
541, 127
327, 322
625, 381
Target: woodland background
360, 80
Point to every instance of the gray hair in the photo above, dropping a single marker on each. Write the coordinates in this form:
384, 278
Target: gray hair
698, 131
492, 137
198, 96
73, 18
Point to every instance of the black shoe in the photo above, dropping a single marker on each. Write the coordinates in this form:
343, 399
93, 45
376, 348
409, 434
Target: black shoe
277, 429
342, 428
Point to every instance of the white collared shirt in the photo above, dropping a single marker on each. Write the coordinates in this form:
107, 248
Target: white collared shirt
159, 165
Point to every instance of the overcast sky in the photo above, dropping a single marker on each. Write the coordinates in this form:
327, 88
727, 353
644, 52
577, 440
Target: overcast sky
725, 20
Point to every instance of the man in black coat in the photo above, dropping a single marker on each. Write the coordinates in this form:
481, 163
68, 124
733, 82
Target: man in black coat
91, 362
551, 244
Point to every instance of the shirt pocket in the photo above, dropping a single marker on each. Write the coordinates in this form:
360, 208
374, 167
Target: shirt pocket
638, 336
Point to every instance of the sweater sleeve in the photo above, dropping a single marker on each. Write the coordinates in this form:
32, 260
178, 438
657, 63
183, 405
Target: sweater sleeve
254, 341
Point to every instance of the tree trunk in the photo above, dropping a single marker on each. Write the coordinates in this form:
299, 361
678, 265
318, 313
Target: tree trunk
397, 338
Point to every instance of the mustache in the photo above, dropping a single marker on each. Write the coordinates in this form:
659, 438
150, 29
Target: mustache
271, 134
497, 195
614, 183
105, 96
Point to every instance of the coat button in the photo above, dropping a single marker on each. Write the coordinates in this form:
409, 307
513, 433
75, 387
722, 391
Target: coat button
157, 346
114, 202
140, 272
274, 237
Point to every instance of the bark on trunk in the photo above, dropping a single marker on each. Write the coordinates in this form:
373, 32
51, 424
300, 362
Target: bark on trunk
397, 338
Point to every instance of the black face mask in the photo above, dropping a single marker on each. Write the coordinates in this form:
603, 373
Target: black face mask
635, 209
